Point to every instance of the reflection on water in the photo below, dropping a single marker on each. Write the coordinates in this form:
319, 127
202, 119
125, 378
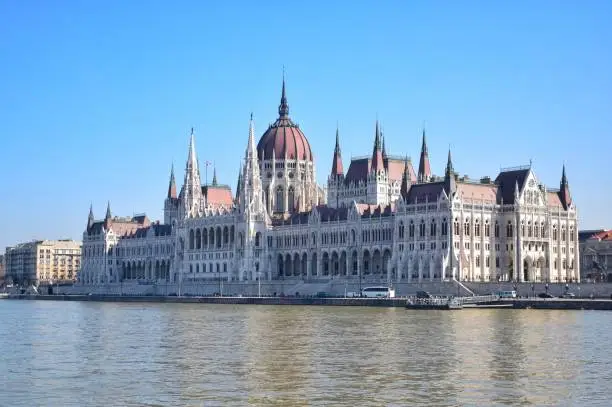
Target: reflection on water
91, 354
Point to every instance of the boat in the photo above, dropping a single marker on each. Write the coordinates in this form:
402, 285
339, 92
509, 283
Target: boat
434, 303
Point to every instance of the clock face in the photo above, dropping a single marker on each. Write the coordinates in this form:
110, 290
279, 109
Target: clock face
290, 175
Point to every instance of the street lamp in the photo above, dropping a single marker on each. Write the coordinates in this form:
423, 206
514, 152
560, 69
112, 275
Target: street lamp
259, 283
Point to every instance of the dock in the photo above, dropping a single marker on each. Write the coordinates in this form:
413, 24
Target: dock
472, 302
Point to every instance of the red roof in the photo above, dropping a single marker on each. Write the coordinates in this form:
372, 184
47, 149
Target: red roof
218, 195
360, 167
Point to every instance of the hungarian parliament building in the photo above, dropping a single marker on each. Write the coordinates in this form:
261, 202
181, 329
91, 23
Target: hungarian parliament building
380, 220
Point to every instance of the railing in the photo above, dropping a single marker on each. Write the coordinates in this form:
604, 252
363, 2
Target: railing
477, 299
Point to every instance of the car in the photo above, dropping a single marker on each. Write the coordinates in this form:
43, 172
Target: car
569, 295
545, 295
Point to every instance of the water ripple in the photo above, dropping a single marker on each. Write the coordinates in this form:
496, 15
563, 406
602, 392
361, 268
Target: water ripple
91, 354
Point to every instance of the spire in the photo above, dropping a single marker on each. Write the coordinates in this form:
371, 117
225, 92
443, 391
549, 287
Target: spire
283, 108
90, 218
108, 219
252, 190
337, 169
450, 184
239, 185
406, 179
424, 169
377, 158
449, 164
384, 150
172, 184
214, 181
564, 190
516, 191
191, 193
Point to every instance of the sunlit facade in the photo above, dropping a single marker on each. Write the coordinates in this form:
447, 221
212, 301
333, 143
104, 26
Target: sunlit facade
379, 221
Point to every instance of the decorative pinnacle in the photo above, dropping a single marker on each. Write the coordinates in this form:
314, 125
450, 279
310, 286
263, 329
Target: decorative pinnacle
283, 109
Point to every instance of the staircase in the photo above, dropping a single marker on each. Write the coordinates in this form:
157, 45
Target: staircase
460, 284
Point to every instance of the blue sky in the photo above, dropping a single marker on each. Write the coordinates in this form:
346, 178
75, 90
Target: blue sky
97, 98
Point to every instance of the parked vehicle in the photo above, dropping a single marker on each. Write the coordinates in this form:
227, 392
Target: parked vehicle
545, 295
569, 295
507, 294
378, 292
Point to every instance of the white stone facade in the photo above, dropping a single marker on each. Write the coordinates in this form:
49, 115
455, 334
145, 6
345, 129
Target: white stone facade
379, 222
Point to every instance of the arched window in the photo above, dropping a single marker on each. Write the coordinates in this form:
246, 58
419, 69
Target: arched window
563, 235
432, 228
522, 228
422, 228
477, 261
411, 229
225, 235
444, 227
487, 228
204, 237
555, 237
290, 198
571, 234
191, 238
211, 237
456, 226
401, 230
198, 239
496, 229
466, 227
477, 228
280, 200
529, 229
543, 230
509, 229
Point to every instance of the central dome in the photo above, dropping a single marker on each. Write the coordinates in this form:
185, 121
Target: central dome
284, 139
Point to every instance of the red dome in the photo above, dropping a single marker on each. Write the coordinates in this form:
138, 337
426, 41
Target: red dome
284, 138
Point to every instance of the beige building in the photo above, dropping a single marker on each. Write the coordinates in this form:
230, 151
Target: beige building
43, 261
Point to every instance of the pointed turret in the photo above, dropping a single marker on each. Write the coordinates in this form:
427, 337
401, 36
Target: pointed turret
384, 149
214, 180
424, 169
90, 218
377, 158
564, 190
283, 108
172, 184
238, 185
191, 193
337, 169
252, 190
108, 218
406, 179
450, 184
517, 192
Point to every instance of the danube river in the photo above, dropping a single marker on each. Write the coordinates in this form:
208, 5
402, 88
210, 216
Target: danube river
122, 354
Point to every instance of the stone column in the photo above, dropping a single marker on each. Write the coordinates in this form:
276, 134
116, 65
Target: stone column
420, 270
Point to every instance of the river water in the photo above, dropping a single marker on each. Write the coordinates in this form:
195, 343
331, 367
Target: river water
118, 354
